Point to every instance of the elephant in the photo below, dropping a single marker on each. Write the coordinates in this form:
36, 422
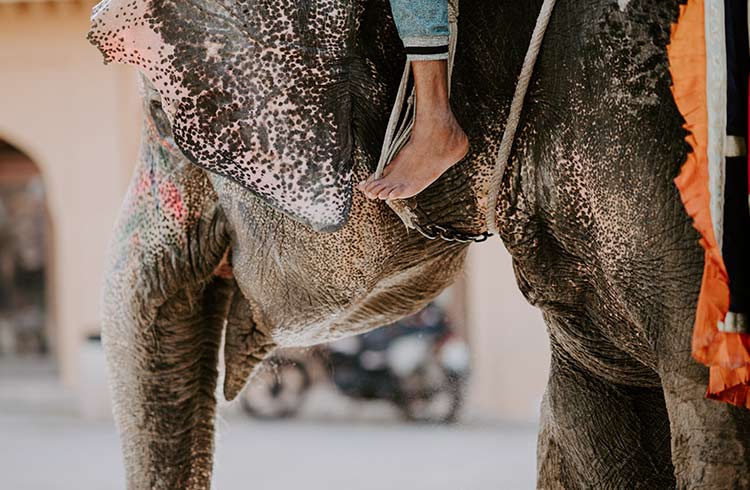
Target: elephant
587, 208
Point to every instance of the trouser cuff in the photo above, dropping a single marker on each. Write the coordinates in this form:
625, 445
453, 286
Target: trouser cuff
426, 48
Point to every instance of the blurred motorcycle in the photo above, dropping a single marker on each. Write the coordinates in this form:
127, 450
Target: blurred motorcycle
278, 390
419, 364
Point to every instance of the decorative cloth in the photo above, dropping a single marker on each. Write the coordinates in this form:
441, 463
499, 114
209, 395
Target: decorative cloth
719, 339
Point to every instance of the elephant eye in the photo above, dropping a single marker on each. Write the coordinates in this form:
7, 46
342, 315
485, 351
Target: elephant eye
159, 119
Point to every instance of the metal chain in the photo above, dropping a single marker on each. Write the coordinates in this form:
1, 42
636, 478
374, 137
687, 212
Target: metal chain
433, 232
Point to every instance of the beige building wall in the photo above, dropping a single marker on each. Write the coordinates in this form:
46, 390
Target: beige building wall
78, 120
508, 339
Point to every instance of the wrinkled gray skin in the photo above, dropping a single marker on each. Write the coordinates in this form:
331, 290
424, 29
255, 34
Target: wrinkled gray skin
588, 210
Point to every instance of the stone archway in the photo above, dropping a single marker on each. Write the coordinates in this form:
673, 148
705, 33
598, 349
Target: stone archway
26, 326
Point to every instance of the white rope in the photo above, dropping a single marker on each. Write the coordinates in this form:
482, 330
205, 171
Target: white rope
514, 115
390, 133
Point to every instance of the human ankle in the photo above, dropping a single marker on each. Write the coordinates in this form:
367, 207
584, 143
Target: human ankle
435, 119
431, 84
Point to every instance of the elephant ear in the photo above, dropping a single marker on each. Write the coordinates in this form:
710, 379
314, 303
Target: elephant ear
255, 91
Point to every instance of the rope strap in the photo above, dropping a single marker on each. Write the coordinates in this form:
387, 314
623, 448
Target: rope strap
514, 115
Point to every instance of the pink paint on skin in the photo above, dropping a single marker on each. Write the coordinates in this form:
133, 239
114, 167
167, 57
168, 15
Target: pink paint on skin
143, 184
172, 201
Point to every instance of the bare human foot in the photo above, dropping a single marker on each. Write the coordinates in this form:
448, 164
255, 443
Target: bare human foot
437, 141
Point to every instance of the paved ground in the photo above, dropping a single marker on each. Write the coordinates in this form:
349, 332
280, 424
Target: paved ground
63, 453
45, 445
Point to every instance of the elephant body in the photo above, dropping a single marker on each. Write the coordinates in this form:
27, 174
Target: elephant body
588, 210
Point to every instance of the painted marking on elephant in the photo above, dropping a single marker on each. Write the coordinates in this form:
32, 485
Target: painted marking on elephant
172, 201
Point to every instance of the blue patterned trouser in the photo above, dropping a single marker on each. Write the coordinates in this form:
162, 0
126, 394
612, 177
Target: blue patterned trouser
423, 27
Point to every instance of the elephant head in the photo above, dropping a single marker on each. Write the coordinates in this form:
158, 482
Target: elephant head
285, 103
273, 94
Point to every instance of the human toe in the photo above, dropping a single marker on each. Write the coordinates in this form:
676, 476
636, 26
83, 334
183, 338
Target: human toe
373, 188
386, 191
397, 192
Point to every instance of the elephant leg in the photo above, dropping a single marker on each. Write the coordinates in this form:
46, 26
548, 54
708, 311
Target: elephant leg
710, 439
163, 313
595, 434
551, 466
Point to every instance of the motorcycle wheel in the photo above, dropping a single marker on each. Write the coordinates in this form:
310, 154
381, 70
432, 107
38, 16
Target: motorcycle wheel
276, 392
438, 401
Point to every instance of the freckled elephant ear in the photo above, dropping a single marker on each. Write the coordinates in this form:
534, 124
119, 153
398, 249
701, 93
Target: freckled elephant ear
254, 90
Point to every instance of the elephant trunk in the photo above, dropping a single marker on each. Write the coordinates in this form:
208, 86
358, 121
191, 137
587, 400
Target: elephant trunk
163, 313
163, 376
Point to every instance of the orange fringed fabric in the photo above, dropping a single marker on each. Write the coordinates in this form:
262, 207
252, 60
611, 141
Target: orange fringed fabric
728, 354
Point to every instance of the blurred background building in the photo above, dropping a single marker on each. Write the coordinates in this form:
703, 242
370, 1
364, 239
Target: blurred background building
69, 132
